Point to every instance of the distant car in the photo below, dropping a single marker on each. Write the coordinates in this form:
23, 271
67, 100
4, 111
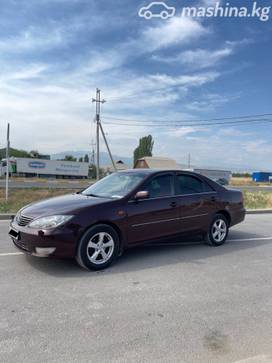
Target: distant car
222, 181
157, 9
123, 210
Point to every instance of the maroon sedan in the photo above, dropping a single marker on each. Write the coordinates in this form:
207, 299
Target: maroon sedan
127, 209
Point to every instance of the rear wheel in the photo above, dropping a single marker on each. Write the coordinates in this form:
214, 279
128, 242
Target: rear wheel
218, 231
98, 247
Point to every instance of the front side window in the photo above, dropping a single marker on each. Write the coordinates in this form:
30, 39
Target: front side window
160, 186
114, 186
187, 184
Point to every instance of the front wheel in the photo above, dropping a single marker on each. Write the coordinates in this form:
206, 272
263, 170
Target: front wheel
218, 231
98, 247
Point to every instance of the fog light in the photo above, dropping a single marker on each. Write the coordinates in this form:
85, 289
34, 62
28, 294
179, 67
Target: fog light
44, 251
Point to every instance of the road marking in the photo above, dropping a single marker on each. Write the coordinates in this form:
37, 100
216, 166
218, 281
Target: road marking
228, 240
11, 254
165, 244
256, 359
250, 239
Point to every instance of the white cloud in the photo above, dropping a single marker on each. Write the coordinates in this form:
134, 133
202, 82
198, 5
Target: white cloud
24, 73
190, 80
103, 61
211, 149
198, 58
259, 147
209, 102
202, 58
181, 131
177, 30
33, 39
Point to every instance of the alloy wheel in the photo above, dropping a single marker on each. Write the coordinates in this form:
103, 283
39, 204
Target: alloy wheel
100, 248
219, 230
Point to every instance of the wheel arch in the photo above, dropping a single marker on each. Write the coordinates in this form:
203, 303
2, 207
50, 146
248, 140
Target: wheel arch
110, 224
226, 214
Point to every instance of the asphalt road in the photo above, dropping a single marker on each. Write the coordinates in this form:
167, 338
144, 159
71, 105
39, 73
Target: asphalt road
74, 184
169, 303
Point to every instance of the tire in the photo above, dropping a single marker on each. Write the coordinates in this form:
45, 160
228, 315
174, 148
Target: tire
218, 231
98, 247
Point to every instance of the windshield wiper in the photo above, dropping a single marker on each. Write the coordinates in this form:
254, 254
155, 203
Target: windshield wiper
92, 195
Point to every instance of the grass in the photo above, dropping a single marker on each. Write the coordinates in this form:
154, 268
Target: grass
46, 180
237, 181
257, 200
21, 197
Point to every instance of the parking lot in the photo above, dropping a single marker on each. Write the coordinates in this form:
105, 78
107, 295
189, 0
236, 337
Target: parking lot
169, 303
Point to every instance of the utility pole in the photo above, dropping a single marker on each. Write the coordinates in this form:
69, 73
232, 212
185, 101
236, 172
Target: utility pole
92, 160
7, 165
98, 102
108, 148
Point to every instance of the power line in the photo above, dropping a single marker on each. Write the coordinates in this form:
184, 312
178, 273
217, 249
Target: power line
189, 121
237, 122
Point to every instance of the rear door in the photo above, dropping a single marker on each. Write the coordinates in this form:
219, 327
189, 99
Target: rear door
196, 202
156, 216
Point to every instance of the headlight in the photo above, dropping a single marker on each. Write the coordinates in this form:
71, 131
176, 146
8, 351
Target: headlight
49, 222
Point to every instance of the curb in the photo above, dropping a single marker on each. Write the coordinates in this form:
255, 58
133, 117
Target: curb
8, 216
259, 211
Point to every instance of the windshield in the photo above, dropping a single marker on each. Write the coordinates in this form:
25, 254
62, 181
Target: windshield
116, 185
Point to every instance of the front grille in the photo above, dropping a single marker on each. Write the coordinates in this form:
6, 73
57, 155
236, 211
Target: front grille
23, 220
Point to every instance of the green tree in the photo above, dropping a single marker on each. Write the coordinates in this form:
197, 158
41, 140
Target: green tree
80, 159
69, 158
144, 148
14, 152
86, 158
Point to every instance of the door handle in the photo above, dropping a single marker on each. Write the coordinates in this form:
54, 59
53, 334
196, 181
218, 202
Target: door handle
173, 204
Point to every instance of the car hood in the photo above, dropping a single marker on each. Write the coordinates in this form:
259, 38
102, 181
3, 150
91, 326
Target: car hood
66, 204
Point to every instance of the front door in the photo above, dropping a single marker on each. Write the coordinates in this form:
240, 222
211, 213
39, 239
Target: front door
156, 216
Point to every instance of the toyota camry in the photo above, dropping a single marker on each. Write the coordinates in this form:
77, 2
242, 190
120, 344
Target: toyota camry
124, 210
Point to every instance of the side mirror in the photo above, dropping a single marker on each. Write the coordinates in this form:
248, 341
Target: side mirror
143, 194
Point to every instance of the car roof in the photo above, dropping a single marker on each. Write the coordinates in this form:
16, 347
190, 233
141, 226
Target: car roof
149, 171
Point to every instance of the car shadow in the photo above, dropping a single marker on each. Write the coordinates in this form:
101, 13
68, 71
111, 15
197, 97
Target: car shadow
150, 256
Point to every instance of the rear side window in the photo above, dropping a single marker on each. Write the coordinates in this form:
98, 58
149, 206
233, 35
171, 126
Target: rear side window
187, 184
160, 186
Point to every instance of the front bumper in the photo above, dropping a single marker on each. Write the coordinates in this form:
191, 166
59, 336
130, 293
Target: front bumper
60, 242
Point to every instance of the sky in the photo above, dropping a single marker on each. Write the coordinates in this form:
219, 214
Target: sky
55, 53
